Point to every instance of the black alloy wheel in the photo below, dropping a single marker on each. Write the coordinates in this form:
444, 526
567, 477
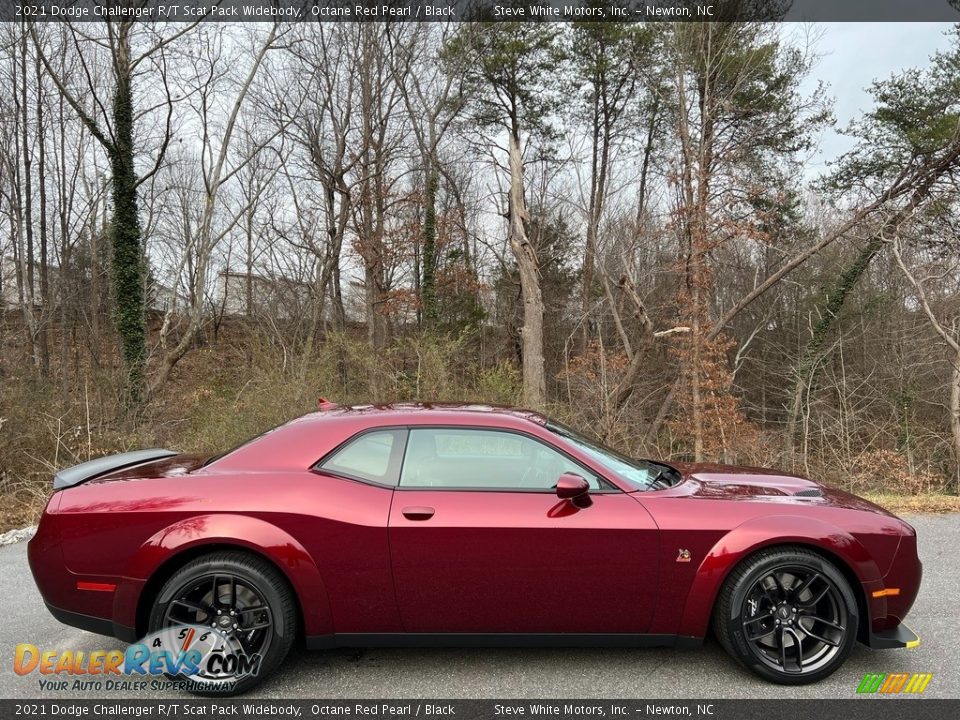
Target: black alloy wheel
788, 615
245, 600
226, 602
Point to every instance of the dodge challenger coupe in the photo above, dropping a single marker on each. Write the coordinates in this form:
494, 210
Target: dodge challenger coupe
470, 525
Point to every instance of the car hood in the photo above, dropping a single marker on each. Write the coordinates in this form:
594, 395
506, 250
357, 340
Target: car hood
728, 482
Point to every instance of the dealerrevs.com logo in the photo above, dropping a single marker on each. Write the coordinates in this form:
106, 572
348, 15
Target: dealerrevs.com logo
192, 654
895, 683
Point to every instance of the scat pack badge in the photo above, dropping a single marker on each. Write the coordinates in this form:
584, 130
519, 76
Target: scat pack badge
683, 555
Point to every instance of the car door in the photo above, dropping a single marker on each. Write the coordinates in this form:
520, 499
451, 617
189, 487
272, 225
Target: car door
480, 542
352, 488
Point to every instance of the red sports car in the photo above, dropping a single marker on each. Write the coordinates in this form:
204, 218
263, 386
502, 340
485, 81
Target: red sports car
429, 524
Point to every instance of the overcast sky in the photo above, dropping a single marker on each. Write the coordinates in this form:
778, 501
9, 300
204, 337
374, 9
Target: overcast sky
855, 54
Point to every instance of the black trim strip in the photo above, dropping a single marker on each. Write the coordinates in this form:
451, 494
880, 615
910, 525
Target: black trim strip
326, 642
394, 464
103, 626
100, 626
317, 467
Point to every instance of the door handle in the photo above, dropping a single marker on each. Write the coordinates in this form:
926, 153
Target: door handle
418, 513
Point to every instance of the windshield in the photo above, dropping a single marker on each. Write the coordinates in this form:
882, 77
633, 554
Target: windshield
643, 474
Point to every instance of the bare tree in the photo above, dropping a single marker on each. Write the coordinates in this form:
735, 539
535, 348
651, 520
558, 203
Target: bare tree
432, 97
327, 134
115, 131
608, 61
946, 322
216, 170
379, 98
508, 68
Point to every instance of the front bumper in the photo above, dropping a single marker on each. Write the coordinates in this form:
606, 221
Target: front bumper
899, 637
890, 599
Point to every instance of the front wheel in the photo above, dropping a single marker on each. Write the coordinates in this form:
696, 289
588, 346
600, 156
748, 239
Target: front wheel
788, 615
236, 611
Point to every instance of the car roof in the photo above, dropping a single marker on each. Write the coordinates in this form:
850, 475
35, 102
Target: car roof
436, 411
294, 444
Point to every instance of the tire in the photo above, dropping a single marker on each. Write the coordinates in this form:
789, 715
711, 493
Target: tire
210, 582
769, 618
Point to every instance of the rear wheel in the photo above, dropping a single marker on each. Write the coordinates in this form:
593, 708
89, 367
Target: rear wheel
246, 604
788, 615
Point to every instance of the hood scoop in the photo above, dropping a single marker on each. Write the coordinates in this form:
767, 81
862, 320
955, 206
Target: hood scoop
745, 483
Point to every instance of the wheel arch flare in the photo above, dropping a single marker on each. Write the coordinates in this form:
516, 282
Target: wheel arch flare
836, 545
169, 549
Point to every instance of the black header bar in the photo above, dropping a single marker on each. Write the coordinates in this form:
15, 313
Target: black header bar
424, 709
496, 10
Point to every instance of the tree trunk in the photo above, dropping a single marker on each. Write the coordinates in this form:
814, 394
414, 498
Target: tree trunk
597, 173
955, 416
248, 280
830, 310
128, 267
696, 400
65, 276
636, 351
645, 164
336, 291
371, 200
531, 334
428, 290
371, 242
695, 179
327, 267
25, 217
46, 307
96, 290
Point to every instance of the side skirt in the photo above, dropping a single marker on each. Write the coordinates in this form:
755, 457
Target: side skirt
471, 640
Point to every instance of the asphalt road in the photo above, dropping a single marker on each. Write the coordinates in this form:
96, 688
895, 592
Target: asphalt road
534, 673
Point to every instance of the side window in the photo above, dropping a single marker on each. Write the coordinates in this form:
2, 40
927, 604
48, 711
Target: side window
484, 460
373, 456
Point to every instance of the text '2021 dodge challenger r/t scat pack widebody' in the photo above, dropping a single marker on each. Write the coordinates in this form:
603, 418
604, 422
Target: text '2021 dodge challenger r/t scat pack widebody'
468, 525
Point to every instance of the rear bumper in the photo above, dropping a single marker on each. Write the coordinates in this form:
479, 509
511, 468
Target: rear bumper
899, 637
100, 626
63, 592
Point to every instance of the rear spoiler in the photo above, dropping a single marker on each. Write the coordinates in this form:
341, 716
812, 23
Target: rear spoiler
68, 477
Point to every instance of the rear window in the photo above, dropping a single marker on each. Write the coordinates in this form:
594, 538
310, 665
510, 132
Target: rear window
372, 456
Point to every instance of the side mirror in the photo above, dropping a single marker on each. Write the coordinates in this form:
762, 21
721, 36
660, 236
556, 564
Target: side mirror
572, 487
